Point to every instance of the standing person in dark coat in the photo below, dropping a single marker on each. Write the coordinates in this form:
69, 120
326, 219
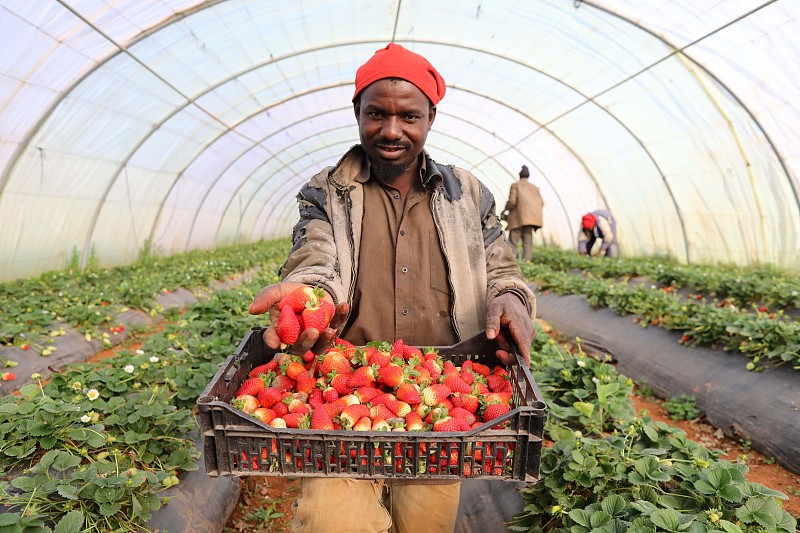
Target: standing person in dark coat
524, 217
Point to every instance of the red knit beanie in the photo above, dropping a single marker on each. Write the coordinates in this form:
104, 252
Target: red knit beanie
588, 221
394, 61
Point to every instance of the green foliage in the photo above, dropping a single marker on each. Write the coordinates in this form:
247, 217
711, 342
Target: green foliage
681, 407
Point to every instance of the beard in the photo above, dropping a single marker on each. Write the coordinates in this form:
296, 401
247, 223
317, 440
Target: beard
386, 172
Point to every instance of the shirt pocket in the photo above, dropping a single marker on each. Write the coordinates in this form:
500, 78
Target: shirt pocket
438, 267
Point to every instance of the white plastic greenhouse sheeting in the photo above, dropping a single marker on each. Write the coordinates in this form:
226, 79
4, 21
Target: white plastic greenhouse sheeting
193, 123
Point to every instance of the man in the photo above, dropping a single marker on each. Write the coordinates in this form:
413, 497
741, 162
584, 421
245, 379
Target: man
600, 225
406, 249
524, 217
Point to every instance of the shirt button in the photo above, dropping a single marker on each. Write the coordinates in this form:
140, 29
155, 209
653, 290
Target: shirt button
405, 270
405, 310
396, 196
402, 233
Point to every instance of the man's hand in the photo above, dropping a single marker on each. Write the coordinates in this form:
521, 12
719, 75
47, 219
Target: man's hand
310, 339
507, 315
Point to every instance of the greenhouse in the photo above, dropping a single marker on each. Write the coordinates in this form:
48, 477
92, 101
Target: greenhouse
161, 162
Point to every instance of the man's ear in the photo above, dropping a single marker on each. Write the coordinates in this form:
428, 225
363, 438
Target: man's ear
357, 108
431, 116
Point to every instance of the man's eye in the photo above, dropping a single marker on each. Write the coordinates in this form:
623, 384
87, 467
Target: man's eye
374, 114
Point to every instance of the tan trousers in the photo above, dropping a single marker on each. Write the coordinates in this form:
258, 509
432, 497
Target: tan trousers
342, 505
525, 234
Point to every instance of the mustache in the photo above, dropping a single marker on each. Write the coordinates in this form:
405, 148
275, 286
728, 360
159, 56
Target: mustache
392, 144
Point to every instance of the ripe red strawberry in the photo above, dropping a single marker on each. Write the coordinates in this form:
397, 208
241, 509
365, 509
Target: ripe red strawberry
456, 384
391, 375
470, 402
460, 412
269, 396
305, 383
266, 368
336, 407
281, 409
317, 316
366, 393
494, 410
297, 420
498, 383
251, 386
409, 393
398, 348
434, 394
497, 397
468, 377
299, 298
348, 348
398, 407
421, 376
480, 369
380, 412
414, 422
321, 419
308, 356
363, 375
246, 403
433, 368
335, 360
352, 413
374, 356
315, 398
339, 383
411, 352
293, 368
264, 414
449, 424
288, 326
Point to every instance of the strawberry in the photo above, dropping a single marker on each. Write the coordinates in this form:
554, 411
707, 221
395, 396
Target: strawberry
340, 383
497, 397
264, 414
495, 410
363, 375
283, 383
269, 396
434, 394
298, 299
251, 386
296, 405
468, 377
363, 424
470, 402
398, 348
278, 423
308, 356
414, 422
288, 326
264, 369
433, 368
347, 347
460, 412
411, 352
391, 375
292, 369
498, 383
352, 413
317, 316
450, 425
409, 393
350, 399
321, 419
398, 407
315, 398
480, 369
421, 376
305, 383
336, 407
297, 420
280, 409
380, 412
366, 393
377, 357
456, 384
380, 425
246, 403
335, 360
329, 394
449, 368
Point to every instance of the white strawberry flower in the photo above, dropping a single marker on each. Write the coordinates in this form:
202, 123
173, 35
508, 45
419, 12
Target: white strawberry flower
93, 394
581, 363
129, 369
153, 359
86, 419
140, 352
76, 385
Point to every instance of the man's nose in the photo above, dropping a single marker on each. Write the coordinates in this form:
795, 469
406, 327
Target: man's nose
391, 128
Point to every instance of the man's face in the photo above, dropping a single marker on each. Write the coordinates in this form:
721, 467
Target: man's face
394, 118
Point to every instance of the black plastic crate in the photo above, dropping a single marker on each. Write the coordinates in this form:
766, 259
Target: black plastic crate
237, 444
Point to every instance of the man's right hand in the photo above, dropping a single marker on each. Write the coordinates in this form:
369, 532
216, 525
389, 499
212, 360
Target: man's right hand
310, 339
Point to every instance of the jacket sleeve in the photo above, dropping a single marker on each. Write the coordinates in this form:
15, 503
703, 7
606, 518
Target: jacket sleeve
582, 242
313, 258
503, 272
512, 198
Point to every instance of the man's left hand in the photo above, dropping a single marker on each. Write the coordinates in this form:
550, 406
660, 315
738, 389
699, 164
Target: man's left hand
508, 315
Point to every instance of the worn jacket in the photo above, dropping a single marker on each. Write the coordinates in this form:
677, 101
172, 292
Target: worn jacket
480, 262
524, 205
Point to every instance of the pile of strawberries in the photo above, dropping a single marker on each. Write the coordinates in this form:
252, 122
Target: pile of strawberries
302, 309
377, 387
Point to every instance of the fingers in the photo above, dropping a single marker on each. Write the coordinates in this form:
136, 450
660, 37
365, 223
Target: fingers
271, 295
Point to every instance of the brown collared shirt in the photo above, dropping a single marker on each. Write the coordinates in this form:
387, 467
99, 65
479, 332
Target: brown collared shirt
402, 290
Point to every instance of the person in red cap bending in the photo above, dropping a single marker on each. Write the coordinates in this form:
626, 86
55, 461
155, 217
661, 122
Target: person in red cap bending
405, 248
598, 225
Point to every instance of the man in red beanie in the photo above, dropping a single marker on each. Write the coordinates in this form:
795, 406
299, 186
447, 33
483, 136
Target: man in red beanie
405, 248
598, 225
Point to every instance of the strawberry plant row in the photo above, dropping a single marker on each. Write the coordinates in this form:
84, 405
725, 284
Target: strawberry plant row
612, 470
35, 310
743, 286
765, 338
